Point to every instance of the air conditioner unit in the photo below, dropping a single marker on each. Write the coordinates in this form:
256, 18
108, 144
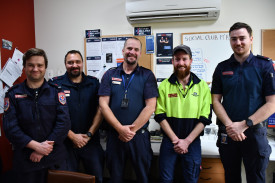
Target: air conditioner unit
146, 11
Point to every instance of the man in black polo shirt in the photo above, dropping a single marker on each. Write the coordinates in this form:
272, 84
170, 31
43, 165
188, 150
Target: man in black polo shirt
245, 84
127, 100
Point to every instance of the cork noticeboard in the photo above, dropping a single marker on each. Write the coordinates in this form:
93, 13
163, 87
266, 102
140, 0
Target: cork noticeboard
268, 43
145, 59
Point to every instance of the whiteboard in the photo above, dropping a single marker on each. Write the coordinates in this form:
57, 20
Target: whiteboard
208, 49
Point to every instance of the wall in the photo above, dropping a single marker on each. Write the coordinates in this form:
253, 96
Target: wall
60, 24
17, 25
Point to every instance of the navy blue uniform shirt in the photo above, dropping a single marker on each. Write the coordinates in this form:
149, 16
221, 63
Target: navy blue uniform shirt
243, 87
82, 100
36, 117
142, 86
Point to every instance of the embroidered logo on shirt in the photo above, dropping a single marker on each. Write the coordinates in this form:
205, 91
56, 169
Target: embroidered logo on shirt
172, 95
6, 104
227, 73
195, 94
116, 79
21, 96
62, 98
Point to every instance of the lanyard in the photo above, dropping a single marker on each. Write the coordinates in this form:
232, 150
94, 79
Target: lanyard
124, 84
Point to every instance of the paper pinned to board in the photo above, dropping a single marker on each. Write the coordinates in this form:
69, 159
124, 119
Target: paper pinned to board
10, 72
17, 58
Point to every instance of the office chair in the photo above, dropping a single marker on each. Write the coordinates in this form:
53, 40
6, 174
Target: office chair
60, 176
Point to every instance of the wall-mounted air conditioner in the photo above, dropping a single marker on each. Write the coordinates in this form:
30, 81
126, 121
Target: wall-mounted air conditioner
146, 11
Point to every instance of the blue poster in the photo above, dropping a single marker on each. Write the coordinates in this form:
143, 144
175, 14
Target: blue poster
150, 44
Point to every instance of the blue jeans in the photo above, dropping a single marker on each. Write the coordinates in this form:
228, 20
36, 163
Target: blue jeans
190, 162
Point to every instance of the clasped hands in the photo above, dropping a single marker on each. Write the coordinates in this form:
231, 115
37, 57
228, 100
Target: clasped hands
126, 133
181, 146
236, 130
42, 149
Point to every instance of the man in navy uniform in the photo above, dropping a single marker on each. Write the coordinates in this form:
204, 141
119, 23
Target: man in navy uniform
127, 100
243, 95
36, 122
83, 141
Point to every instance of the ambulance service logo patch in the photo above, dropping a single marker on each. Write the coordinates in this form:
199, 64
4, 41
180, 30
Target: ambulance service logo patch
6, 104
62, 98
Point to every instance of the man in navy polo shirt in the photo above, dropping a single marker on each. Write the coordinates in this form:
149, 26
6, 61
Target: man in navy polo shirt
127, 100
83, 142
245, 84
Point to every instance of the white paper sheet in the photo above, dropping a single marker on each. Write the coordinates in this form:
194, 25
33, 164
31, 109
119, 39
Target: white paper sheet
10, 72
93, 47
17, 58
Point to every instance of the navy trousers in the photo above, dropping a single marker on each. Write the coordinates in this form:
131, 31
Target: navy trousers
254, 151
92, 157
37, 176
138, 150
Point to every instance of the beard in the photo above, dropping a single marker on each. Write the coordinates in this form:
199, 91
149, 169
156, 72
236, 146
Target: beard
128, 61
74, 74
131, 62
181, 74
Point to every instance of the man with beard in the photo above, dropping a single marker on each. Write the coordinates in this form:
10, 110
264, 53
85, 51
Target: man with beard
183, 110
243, 94
83, 141
36, 121
127, 100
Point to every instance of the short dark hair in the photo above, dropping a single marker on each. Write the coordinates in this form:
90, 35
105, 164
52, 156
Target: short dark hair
73, 52
35, 52
240, 25
134, 39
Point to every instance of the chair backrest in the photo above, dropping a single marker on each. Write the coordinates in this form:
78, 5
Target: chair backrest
60, 176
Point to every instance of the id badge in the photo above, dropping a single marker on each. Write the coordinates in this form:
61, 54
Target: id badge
224, 138
124, 103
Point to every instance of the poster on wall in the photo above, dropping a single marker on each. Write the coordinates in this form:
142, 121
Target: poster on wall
93, 33
164, 44
142, 31
150, 44
164, 69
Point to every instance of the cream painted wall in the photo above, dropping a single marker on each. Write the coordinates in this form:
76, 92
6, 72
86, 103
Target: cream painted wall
60, 26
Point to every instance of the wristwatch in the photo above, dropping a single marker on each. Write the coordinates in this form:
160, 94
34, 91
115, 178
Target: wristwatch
89, 134
249, 123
